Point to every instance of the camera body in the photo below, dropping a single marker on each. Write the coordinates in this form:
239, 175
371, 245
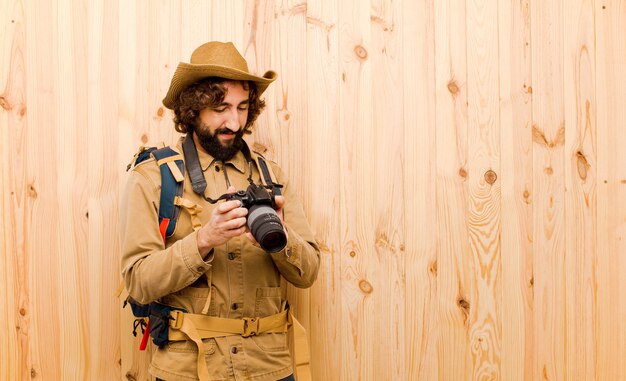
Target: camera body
263, 221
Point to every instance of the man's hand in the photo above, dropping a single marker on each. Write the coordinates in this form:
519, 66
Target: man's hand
228, 220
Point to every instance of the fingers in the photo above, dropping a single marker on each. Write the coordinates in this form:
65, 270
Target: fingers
227, 206
279, 201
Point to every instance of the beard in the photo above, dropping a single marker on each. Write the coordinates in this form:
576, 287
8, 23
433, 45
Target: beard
211, 144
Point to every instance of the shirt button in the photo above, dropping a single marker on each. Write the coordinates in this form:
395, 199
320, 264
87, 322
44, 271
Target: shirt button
233, 350
200, 269
234, 306
231, 256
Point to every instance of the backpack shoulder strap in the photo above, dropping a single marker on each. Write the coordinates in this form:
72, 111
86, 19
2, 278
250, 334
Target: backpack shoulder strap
172, 168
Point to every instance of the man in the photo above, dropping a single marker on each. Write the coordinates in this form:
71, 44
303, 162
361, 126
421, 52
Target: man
219, 287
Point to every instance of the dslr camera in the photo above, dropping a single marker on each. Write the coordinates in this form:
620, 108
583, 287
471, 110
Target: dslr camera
263, 222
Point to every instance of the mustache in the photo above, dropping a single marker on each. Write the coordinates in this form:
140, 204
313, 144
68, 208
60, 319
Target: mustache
226, 131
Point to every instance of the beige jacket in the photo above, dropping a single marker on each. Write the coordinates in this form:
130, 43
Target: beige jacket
245, 280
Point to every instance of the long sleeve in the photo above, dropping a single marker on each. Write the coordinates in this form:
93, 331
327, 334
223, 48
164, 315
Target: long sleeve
151, 270
299, 261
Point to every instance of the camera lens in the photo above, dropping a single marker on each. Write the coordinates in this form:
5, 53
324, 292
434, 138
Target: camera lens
266, 228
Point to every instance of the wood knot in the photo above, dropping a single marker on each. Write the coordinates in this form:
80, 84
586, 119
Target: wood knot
32, 192
360, 52
453, 88
352, 253
4, 103
490, 177
365, 286
548, 171
23, 311
131, 376
160, 112
526, 196
144, 138
463, 173
433, 267
463, 304
33, 373
582, 165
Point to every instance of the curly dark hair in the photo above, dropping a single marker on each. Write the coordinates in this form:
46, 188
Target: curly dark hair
210, 92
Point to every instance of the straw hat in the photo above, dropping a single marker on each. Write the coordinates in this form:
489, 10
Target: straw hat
214, 59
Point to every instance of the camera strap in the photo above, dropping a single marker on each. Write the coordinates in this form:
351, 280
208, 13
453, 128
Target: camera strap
266, 172
192, 162
198, 182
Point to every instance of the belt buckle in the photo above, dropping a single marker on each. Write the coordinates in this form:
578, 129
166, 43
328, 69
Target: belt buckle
250, 327
176, 319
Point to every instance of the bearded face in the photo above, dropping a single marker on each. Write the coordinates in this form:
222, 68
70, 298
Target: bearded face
219, 129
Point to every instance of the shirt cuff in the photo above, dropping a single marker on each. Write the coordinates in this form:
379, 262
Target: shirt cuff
192, 258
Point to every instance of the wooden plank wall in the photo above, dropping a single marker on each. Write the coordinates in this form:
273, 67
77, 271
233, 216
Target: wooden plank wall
461, 162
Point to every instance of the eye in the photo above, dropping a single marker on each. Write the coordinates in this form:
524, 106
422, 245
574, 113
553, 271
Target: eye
219, 110
243, 107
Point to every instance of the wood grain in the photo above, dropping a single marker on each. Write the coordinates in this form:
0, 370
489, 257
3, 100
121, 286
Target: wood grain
549, 188
322, 190
359, 288
484, 220
419, 166
15, 316
460, 162
580, 111
516, 163
611, 212
454, 265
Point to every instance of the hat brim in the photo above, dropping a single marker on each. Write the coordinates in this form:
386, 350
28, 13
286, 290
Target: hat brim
187, 74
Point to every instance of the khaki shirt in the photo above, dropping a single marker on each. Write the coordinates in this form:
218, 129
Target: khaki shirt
245, 280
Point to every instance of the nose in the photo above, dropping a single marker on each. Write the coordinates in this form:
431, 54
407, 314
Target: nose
232, 120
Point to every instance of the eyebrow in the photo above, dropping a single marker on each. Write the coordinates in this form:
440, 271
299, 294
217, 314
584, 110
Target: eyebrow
228, 104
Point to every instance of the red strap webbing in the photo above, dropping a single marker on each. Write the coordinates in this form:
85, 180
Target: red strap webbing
163, 227
144, 339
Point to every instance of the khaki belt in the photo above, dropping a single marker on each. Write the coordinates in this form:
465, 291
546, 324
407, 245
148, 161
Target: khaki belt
195, 327
210, 326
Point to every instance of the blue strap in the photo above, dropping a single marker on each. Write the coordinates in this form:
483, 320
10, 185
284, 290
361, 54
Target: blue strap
169, 189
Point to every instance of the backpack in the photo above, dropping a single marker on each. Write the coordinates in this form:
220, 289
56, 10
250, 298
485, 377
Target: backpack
172, 168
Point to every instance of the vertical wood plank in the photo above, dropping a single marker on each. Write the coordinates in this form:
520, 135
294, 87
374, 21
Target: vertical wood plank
43, 239
516, 187
580, 158
611, 213
548, 178
72, 178
384, 168
134, 363
323, 190
258, 50
358, 275
417, 28
101, 265
484, 221
15, 316
454, 265
291, 116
